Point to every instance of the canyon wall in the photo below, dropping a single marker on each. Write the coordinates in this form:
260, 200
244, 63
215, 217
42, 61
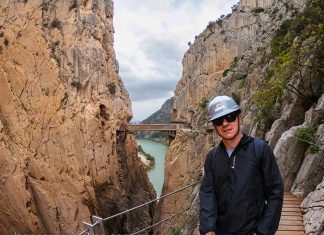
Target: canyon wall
237, 55
62, 104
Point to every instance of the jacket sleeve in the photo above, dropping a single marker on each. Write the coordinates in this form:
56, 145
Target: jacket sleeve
273, 190
208, 205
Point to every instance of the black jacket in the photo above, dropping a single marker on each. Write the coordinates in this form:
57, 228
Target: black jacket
241, 194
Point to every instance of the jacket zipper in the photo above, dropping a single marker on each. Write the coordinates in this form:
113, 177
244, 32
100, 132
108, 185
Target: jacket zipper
233, 164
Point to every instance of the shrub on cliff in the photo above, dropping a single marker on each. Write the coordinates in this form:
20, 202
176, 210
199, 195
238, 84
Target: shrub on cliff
296, 47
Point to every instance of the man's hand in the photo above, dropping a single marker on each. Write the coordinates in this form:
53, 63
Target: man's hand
210, 233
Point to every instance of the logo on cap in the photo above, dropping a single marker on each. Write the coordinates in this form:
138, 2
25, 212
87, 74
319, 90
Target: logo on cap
219, 106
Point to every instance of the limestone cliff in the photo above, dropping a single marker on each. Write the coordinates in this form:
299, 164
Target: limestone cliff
62, 103
265, 56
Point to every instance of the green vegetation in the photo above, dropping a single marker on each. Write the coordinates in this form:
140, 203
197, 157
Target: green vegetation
236, 97
219, 21
275, 10
306, 134
211, 24
56, 24
176, 231
225, 72
314, 149
234, 7
208, 35
232, 66
6, 41
257, 10
296, 52
73, 4
306, 24
76, 84
203, 104
112, 88
147, 156
193, 134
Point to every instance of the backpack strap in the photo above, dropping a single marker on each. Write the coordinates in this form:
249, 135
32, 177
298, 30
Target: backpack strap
259, 147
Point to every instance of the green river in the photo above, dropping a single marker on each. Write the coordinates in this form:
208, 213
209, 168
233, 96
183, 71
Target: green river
158, 151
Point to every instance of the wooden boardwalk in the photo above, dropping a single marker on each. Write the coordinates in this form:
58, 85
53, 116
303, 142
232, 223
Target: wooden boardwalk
291, 222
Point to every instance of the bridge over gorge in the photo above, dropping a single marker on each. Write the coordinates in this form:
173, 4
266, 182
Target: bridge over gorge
169, 128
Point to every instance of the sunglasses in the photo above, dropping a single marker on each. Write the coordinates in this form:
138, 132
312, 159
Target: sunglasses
231, 117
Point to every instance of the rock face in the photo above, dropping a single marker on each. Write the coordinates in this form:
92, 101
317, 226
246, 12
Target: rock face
311, 170
240, 33
313, 209
301, 169
62, 103
183, 167
233, 56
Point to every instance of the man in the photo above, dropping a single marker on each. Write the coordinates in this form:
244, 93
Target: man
242, 189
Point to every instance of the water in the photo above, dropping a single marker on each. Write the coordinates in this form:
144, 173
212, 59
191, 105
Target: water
158, 151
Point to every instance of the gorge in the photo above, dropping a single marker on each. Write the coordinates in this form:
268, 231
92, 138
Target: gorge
63, 107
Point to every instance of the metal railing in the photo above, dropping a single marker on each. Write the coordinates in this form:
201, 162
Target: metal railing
98, 223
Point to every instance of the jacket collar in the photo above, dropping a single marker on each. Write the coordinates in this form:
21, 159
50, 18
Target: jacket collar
245, 140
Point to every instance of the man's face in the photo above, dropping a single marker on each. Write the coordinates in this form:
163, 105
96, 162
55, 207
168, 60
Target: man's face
227, 126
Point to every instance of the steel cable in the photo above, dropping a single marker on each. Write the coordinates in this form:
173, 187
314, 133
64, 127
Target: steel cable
162, 221
154, 200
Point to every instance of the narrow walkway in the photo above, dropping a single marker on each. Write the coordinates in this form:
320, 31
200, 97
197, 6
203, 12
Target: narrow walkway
291, 222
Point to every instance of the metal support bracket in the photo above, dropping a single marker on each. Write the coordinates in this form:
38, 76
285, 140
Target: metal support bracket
97, 228
100, 228
88, 227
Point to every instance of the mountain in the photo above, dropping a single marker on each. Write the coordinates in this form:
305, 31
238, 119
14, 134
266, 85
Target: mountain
163, 115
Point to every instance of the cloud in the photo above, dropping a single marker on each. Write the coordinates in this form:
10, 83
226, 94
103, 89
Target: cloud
161, 50
151, 38
147, 90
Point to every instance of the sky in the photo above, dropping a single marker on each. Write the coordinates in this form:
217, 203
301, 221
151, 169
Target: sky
150, 40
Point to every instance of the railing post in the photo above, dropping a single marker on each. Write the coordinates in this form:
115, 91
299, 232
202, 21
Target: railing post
97, 228
88, 227
100, 229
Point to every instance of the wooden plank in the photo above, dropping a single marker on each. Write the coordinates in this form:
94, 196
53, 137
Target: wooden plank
293, 200
292, 203
290, 233
285, 205
291, 222
291, 209
291, 217
291, 228
290, 213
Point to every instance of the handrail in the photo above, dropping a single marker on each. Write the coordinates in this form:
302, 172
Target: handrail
99, 221
144, 204
162, 221
84, 231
